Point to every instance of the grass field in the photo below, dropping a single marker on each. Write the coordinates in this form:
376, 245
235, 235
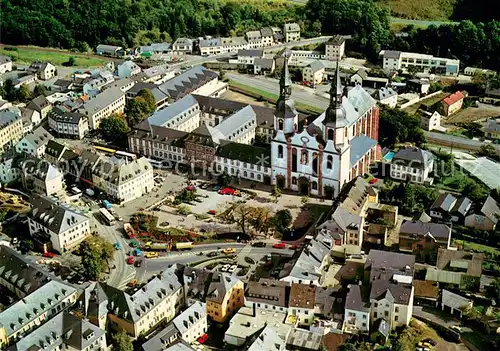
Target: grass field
477, 247
26, 55
423, 9
427, 102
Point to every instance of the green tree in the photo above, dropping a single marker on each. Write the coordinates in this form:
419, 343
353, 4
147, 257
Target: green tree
122, 342
282, 220
397, 126
9, 90
96, 252
276, 193
39, 89
183, 210
224, 179
493, 290
347, 346
136, 111
490, 151
71, 61
23, 93
113, 129
148, 97
304, 200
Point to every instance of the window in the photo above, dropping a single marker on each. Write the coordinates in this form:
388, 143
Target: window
280, 151
396, 309
330, 134
315, 186
294, 180
375, 315
329, 162
396, 318
386, 313
280, 124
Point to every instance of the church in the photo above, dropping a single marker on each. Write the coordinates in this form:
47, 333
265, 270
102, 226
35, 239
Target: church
336, 147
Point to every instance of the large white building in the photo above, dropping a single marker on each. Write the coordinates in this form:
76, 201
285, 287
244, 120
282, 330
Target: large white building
396, 60
110, 101
413, 164
65, 226
11, 128
68, 124
192, 323
34, 143
335, 48
5, 64
43, 178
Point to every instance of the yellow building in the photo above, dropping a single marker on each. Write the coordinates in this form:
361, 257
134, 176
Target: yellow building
224, 297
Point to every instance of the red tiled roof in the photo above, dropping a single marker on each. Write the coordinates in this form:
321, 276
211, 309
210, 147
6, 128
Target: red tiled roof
451, 99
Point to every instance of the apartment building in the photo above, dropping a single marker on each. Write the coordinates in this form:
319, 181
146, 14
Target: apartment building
65, 226
26, 79
110, 101
42, 178
357, 312
291, 32
314, 73
192, 323
66, 124
182, 46
128, 69
11, 129
5, 64
301, 304
225, 295
34, 143
451, 104
123, 180
44, 70
268, 295
396, 60
248, 56
335, 48
386, 96
413, 164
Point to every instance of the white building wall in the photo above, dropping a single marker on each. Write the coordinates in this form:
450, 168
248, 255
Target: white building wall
357, 319
65, 240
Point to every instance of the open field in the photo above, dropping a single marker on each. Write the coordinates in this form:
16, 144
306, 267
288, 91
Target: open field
424, 9
427, 102
476, 247
26, 55
472, 114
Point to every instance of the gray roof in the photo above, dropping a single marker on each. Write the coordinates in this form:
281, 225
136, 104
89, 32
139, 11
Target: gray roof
304, 339
354, 300
414, 155
32, 306
336, 40
180, 107
161, 134
266, 32
384, 264
60, 115
117, 171
268, 291
359, 147
397, 292
292, 27
437, 230
54, 149
7, 117
492, 125
206, 43
156, 47
187, 82
183, 41
268, 340
453, 300
316, 66
39, 103
38, 137
384, 93
264, 62
41, 170
102, 100
108, 48
392, 54
4, 59
165, 337
233, 124
220, 284
362, 73
382, 327
64, 328
180, 346
191, 316
233, 41
445, 202
253, 35
251, 53
491, 210
57, 216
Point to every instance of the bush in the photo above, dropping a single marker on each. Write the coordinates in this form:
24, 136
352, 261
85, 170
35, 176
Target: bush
11, 48
183, 210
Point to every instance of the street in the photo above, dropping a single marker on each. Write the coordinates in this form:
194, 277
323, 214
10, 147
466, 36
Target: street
456, 141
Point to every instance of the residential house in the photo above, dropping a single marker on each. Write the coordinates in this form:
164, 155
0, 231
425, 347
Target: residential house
5, 64
419, 86
233, 44
110, 101
390, 277
63, 331
248, 56
426, 292
362, 78
62, 85
454, 303
72, 125
449, 207
267, 294
34, 143
31, 118
42, 178
386, 96
128, 69
11, 128
357, 312
413, 164
492, 128
314, 73
94, 86
264, 66
9, 172
396, 60
301, 304
254, 39
25, 79
473, 71
430, 121
451, 104
122, 180
43, 70
66, 226
54, 151
335, 48
182, 46
424, 239
163, 339
153, 49
301, 339
268, 340
267, 35
192, 323
224, 297
41, 105
291, 32
157, 74
487, 217
211, 46
109, 50
161, 99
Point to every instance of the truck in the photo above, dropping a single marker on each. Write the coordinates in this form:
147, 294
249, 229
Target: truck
184, 246
151, 246
106, 204
129, 230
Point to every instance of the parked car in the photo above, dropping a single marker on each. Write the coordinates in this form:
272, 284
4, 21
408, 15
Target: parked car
138, 263
204, 185
130, 260
229, 250
212, 212
430, 341
279, 246
117, 246
249, 260
134, 243
225, 268
233, 269
259, 244
151, 254
49, 254
227, 191
216, 187
132, 283
213, 254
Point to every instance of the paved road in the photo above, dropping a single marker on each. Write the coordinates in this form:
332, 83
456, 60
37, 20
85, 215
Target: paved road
456, 141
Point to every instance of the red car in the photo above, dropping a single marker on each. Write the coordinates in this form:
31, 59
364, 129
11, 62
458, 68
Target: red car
295, 247
373, 180
49, 254
203, 338
279, 246
190, 188
130, 260
226, 191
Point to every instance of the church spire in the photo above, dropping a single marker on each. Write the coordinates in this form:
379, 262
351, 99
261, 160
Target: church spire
335, 110
285, 81
285, 107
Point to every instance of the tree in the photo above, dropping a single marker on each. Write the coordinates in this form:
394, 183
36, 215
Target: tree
261, 219
122, 342
493, 290
136, 111
282, 220
23, 93
224, 179
183, 210
113, 129
71, 62
488, 150
347, 346
413, 70
95, 252
397, 126
147, 96
242, 215
276, 193
9, 90
39, 89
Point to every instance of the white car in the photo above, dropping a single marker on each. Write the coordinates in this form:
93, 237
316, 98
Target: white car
225, 268
233, 269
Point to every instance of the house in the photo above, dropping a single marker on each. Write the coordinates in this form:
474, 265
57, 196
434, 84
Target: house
233, 44
268, 340
9, 172
211, 46
424, 239
268, 295
492, 128
62, 85
451, 104
357, 312
426, 292
358, 77
264, 66
430, 120
109, 50
121, 180
25, 79
301, 304
225, 296
40, 177
390, 277
473, 71
110, 101
182, 46
301, 339
412, 164
66, 226
5, 64
54, 151
63, 331
447, 206
314, 73
65, 124
161, 99
419, 86
43, 70
153, 49
11, 128
31, 118
486, 218
335, 48
386, 96
291, 32
128, 69
380, 331
267, 35
454, 303
400, 60
34, 143
254, 39
192, 323
248, 56
362, 78
41, 105
163, 339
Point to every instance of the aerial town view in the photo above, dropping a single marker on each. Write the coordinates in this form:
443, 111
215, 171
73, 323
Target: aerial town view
261, 175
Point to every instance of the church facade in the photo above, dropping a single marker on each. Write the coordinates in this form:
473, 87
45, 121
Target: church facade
336, 147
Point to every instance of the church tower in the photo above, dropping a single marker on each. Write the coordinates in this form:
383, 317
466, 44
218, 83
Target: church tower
285, 115
335, 115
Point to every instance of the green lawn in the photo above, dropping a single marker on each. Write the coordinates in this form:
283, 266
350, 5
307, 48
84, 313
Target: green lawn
424, 9
26, 55
478, 247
